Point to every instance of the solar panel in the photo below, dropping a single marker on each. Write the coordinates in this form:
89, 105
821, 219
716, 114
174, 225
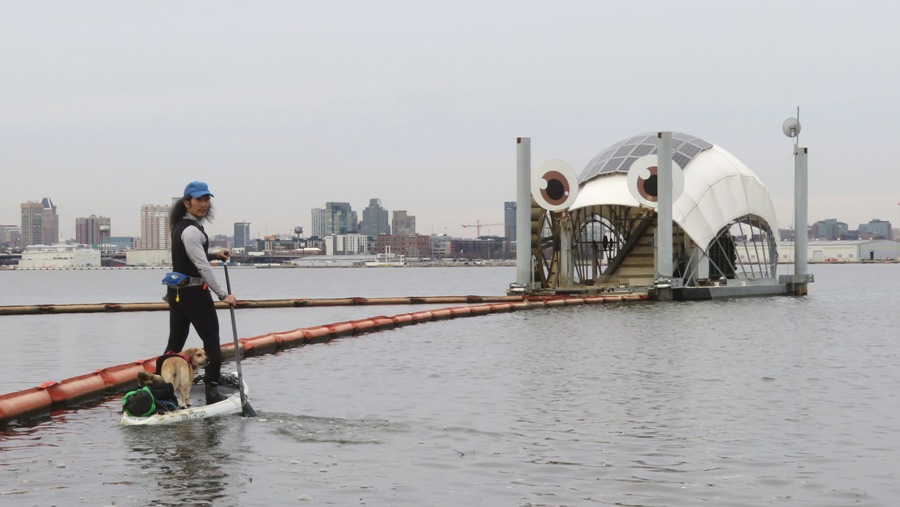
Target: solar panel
690, 150
620, 156
641, 150
610, 165
680, 159
624, 150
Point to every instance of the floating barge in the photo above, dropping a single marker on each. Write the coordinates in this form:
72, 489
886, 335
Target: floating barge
662, 212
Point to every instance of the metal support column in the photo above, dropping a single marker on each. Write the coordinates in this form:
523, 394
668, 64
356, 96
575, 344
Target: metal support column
523, 212
664, 215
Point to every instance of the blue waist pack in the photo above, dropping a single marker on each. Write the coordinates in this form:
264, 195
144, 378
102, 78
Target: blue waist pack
175, 280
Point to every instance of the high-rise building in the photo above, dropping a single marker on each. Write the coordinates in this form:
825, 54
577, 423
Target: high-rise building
335, 218
509, 220
318, 223
375, 220
40, 223
32, 228
154, 228
403, 224
241, 234
339, 219
92, 230
51, 221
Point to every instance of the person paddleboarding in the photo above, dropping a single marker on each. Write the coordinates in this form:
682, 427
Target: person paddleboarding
190, 303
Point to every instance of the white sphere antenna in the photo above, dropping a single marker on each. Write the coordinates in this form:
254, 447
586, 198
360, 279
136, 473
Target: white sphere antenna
791, 127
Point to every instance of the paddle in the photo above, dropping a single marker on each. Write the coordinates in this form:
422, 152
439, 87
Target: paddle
246, 409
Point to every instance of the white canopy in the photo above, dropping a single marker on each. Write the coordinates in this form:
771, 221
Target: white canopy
718, 189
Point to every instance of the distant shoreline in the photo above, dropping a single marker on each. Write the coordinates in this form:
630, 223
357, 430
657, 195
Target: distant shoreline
484, 264
271, 266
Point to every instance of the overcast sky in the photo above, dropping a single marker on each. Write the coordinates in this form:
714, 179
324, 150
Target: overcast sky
283, 106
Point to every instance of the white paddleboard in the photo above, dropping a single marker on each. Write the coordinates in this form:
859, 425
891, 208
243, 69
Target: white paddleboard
230, 405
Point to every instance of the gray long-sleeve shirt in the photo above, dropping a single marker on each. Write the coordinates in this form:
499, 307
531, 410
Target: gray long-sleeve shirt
193, 239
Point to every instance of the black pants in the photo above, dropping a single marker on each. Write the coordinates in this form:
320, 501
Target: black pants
195, 306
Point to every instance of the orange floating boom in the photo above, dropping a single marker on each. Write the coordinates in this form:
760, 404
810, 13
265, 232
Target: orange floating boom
90, 388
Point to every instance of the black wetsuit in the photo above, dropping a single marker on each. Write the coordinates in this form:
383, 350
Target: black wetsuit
193, 305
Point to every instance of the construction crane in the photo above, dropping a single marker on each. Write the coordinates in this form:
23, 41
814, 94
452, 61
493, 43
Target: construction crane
478, 225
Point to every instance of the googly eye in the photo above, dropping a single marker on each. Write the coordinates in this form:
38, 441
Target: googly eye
643, 181
554, 185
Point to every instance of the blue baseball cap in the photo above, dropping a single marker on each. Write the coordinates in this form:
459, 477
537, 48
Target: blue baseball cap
197, 189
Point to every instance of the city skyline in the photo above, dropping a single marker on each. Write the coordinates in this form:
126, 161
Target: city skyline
282, 108
155, 217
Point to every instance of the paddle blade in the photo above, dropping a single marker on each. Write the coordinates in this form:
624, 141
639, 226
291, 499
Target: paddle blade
247, 410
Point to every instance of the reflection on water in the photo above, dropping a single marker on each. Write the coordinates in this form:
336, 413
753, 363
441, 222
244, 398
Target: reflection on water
187, 460
740, 403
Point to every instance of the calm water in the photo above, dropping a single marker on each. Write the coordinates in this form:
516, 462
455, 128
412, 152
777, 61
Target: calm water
770, 401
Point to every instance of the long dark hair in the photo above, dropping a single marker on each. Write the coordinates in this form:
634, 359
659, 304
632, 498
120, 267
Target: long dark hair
179, 210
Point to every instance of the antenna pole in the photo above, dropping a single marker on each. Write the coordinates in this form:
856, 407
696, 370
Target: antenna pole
800, 210
800, 279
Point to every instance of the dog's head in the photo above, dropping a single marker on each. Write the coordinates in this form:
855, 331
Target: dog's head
197, 356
